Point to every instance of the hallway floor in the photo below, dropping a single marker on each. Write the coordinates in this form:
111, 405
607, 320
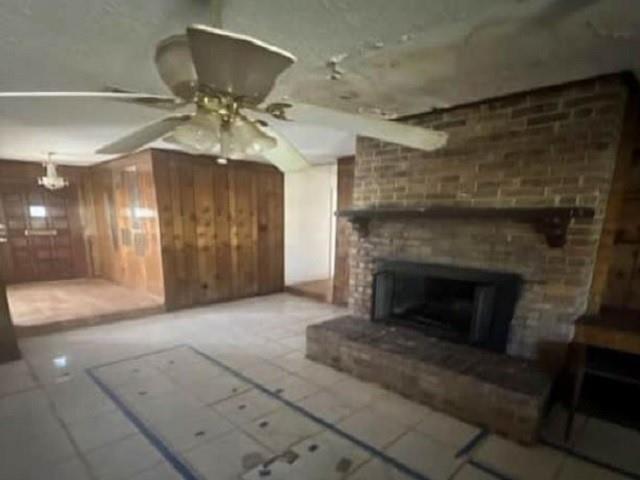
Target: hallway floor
224, 392
320, 290
41, 307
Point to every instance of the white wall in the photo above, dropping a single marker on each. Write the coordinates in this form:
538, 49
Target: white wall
309, 223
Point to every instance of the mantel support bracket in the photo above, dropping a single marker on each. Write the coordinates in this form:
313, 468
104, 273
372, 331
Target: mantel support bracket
554, 229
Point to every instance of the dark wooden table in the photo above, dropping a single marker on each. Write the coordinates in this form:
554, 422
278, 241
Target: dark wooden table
605, 345
8, 345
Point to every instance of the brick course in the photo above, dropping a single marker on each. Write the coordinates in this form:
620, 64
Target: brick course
497, 392
551, 147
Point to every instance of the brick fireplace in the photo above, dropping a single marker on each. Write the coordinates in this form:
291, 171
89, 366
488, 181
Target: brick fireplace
552, 147
494, 244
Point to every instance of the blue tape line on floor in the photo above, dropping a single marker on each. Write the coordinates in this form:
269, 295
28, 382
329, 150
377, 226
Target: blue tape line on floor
181, 467
593, 461
489, 470
481, 435
187, 473
380, 455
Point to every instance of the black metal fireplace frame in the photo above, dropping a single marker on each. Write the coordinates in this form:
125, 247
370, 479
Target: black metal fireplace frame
507, 288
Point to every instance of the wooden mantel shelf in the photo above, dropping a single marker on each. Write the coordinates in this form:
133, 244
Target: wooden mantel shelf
552, 222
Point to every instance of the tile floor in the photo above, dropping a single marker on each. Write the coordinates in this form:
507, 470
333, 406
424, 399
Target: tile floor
256, 420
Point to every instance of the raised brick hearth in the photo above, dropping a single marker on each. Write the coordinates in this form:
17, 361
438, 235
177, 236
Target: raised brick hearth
553, 147
498, 392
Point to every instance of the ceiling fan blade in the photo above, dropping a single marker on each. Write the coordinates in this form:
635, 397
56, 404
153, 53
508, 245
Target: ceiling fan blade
144, 135
236, 64
175, 66
285, 155
389, 131
163, 103
142, 98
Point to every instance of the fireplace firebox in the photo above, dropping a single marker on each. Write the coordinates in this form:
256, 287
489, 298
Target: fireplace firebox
463, 305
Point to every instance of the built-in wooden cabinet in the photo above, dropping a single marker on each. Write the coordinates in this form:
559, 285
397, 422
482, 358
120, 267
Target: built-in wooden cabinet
221, 228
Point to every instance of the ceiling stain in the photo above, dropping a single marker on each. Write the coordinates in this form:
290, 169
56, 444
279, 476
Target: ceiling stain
378, 57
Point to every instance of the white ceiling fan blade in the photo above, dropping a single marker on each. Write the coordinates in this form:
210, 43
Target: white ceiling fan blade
152, 101
144, 135
129, 97
285, 155
389, 131
236, 64
175, 66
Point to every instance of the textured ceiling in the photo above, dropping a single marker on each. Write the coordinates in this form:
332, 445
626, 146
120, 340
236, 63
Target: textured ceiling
378, 56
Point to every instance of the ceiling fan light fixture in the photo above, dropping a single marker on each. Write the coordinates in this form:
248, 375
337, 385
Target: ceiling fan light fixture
200, 135
194, 138
248, 139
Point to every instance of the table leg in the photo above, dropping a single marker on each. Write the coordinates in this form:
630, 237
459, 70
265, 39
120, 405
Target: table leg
578, 360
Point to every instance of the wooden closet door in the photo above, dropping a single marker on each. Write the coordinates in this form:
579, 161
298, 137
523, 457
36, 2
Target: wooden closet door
38, 241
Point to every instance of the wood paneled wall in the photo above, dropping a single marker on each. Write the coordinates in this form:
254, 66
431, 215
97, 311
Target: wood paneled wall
343, 231
178, 226
609, 245
127, 234
54, 249
221, 228
623, 281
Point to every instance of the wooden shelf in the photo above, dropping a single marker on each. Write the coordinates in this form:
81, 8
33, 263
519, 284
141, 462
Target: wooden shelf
552, 222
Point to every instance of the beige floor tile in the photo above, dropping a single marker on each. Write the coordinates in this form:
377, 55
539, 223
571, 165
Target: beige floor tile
183, 432
246, 407
327, 406
321, 375
321, 457
100, 430
610, 443
292, 362
576, 469
154, 409
281, 429
228, 457
15, 377
447, 429
297, 342
518, 461
292, 387
469, 472
78, 398
401, 409
162, 471
264, 374
123, 459
425, 455
354, 392
68, 469
373, 427
209, 390
378, 470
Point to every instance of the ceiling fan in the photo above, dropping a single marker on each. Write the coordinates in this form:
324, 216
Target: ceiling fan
227, 77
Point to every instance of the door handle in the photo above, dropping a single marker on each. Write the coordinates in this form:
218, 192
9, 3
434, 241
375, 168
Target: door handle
40, 233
